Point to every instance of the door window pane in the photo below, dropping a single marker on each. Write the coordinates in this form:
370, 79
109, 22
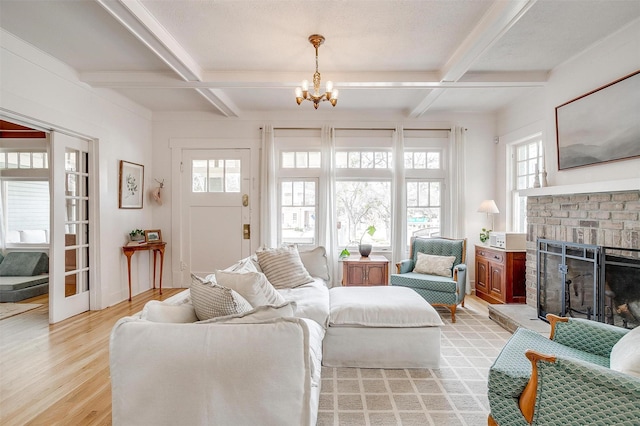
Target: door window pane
216, 175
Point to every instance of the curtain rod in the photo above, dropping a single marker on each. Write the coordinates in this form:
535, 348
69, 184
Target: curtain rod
355, 128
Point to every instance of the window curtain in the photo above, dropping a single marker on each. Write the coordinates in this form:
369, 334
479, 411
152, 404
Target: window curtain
457, 194
399, 237
268, 189
327, 216
457, 186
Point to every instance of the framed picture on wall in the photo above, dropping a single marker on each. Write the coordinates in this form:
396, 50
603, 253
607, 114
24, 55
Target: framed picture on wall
600, 126
131, 185
153, 235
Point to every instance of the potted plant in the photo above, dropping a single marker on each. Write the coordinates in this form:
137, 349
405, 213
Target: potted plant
484, 235
365, 249
136, 235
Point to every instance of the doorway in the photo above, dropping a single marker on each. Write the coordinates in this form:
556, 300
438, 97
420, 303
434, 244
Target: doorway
46, 205
215, 212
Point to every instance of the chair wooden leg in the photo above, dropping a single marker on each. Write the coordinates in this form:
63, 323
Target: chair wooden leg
491, 421
453, 312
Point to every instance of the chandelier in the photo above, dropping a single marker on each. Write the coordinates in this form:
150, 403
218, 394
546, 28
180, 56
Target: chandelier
330, 94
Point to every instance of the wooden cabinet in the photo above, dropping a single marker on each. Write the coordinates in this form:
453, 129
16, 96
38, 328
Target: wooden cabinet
372, 270
500, 275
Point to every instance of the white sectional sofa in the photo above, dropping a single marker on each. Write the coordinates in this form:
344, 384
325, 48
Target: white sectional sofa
261, 368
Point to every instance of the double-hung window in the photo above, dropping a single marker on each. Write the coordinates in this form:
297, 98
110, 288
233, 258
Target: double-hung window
299, 163
363, 190
527, 160
425, 176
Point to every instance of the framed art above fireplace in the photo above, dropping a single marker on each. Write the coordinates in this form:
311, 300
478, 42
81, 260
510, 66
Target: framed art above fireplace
600, 126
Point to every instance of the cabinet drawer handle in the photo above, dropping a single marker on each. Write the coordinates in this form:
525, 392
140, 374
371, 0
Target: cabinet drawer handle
496, 257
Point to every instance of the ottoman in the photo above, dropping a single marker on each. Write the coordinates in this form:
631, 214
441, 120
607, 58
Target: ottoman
381, 327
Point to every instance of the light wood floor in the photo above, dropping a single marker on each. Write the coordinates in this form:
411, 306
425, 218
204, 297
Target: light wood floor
59, 374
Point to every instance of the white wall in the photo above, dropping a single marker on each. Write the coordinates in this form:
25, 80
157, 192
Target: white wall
41, 90
608, 60
480, 150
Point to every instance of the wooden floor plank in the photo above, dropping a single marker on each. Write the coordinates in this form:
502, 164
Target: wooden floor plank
59, 374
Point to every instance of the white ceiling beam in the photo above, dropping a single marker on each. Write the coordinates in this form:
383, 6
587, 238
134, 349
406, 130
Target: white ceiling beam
366, 80
500, 17
142, 24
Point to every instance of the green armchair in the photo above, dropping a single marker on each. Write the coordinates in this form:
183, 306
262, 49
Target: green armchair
438, 290
562, 380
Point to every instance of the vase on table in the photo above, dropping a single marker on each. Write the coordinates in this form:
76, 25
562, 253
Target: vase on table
365, 249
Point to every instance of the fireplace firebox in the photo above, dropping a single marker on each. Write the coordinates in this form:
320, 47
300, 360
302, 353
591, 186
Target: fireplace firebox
588, 281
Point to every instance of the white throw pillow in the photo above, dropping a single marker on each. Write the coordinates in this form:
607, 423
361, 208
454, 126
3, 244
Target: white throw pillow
157, 311
253, 286
259, 314
625, 355
283, 267
434, 265
212, 300
315, 262
243, 265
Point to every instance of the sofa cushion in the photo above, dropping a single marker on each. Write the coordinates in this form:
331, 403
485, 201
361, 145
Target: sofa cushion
253, 286
435, 265
283, 267
256, 315
24, 264
425, 281
511, 370
380, 306
312, 300
211, 300
315, 262
625, 355
157, 311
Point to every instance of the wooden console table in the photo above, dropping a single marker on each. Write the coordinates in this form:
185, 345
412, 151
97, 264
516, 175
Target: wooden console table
365, 271
158, 247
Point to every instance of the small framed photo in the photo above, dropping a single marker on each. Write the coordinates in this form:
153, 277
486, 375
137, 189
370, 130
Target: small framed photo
153, 236
131, 186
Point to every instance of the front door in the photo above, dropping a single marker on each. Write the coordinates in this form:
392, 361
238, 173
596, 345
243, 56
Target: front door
215, 209
69, 267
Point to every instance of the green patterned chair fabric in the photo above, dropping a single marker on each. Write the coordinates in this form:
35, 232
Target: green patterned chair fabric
578, 389
437, 290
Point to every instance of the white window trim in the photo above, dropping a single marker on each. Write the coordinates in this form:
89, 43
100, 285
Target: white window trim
512, 139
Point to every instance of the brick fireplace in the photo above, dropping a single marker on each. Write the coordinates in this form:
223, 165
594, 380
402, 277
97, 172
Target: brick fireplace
610, 219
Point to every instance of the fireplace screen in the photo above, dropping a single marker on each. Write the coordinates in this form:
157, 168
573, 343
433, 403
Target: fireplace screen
567, 279
588, 281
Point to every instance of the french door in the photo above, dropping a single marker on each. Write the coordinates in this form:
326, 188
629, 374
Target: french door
69, 267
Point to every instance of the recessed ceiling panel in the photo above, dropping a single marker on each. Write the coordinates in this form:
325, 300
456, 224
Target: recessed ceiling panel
79, 33
360, 35
350, 99
169, 99
477, 100
553, 31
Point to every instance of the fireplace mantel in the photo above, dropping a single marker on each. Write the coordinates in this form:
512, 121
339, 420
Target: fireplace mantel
584, 188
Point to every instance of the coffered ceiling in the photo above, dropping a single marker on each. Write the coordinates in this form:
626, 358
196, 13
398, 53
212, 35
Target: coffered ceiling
237, 57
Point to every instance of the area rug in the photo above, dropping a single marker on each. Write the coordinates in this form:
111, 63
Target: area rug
10, 309
454, 394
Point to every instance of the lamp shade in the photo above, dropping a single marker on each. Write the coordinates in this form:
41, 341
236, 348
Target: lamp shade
488, 206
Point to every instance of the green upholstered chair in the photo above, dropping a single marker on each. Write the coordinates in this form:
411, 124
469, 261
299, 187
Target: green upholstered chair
562, 380
435, 289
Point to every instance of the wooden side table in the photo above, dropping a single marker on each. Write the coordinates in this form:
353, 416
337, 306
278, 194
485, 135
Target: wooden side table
367, 271
158, 247
501, 275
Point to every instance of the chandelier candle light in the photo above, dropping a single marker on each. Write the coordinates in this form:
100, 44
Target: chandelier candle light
330, 94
